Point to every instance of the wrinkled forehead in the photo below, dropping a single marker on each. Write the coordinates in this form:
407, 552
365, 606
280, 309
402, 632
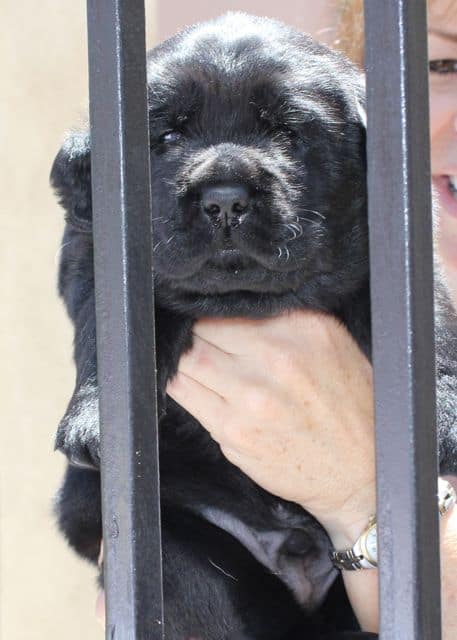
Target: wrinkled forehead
208, 65
244, 74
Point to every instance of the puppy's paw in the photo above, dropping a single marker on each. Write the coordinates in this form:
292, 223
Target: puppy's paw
78, 436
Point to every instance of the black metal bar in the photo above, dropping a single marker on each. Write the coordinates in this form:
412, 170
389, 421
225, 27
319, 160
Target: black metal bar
125, 319
403, 328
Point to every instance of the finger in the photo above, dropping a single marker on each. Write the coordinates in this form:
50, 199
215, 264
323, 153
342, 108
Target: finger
203, 403
233, 456
233, 335
239, 458
242, 336
212, 367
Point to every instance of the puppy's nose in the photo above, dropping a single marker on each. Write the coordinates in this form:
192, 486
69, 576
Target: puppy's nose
225, 204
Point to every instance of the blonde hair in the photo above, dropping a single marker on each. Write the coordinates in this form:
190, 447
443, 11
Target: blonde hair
350, 39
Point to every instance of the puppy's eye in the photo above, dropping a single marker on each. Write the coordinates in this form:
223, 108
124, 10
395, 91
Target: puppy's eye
170, 137
284, 129
290, 133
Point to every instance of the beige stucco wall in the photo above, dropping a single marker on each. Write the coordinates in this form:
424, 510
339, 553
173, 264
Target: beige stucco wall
45, 591
313, 16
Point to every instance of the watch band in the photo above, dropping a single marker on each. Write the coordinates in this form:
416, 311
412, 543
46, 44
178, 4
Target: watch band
363, 555
346, 560
447, 496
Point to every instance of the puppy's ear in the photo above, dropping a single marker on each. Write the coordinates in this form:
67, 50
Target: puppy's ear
70, 177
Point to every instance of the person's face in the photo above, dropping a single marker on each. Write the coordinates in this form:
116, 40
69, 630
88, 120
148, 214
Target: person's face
443, 125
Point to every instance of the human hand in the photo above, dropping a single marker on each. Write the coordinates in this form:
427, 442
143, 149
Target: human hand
290, 401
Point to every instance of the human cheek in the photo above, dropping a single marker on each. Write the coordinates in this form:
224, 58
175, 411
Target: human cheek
437, 111
447, 243
443, 113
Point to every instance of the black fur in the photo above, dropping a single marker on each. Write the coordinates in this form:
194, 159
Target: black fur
236, 100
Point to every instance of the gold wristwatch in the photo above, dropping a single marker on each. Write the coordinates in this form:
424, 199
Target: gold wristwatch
364, 553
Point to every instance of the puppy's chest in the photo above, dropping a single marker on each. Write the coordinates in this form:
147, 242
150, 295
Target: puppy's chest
197, 477
281, 536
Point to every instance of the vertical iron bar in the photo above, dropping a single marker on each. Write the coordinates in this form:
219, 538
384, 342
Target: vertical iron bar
402, 308
125, 319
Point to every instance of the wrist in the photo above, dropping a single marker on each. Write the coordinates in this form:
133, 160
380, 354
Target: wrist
346, 523
344, 534
353, 550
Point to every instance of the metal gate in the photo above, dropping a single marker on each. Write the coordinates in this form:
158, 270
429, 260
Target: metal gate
403, 335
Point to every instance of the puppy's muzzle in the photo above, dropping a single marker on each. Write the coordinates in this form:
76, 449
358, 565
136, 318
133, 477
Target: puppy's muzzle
225, 205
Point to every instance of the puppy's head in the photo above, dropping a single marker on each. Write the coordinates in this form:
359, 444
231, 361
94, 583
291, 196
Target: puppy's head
257, 170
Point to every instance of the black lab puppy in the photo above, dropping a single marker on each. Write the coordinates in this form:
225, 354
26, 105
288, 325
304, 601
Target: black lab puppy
259, 199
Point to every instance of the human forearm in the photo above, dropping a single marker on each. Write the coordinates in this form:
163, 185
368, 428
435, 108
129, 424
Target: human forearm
362, 591
362, 586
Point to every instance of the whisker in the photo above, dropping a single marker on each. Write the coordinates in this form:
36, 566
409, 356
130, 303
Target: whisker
216, 566
295, 225
162, 241
163, 219
296, 229
317, 213
286, 251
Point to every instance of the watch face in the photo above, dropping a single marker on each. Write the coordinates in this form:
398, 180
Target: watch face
371, 544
